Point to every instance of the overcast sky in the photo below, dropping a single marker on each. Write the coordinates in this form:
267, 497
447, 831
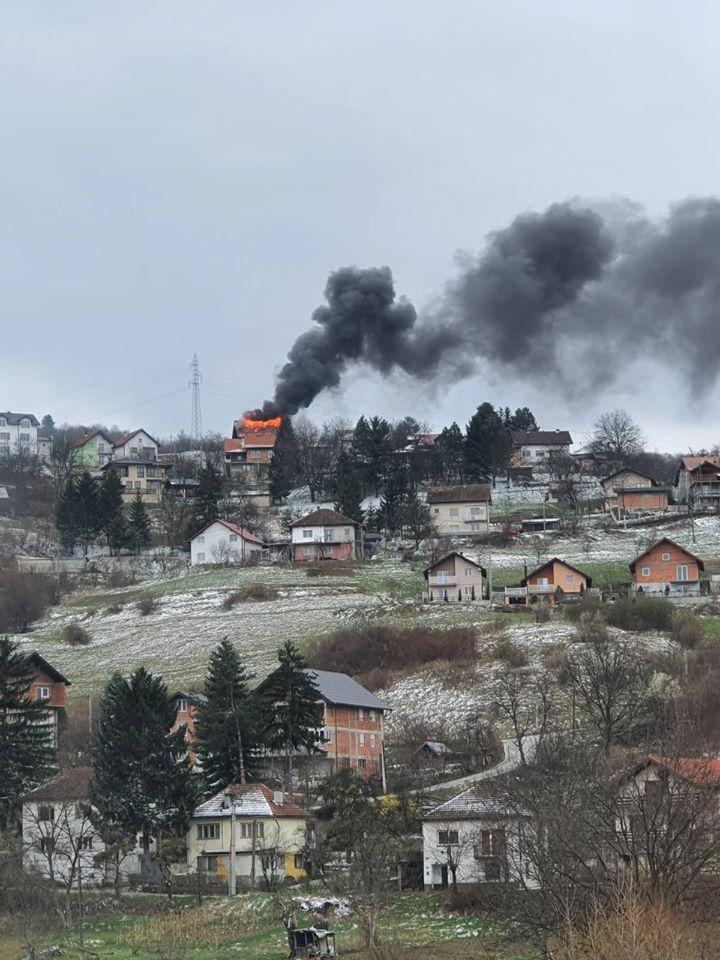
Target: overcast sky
181, 177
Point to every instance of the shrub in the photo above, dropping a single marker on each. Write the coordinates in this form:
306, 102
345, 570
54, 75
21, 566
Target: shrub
24, 598
508, 652
147, 605
251, 592
118, 577
330, 568
363, 651
542, 613
113, 609
554, 658
687, 629
640, 613
589, 606
591, 630
75, 635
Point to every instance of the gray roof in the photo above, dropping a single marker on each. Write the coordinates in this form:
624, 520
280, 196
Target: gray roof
339, 688
13, 419
483, 799
541, 437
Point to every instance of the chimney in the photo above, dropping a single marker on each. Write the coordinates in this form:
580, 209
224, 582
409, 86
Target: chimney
278, 798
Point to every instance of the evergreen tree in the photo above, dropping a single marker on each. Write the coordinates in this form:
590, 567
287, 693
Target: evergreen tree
293, 708
27, 750
396, 491
48, 424
78, 516
112, 512
283, 470
138, 524
416, 517
229, 724
67, 515
348, 489
451, 447
372, 451
142, 783
487, 444
207, 498
522, 419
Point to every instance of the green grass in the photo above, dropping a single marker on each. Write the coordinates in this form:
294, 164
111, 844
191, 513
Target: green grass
604, 574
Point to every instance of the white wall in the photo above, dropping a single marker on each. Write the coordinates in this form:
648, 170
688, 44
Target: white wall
217, 544
10, 437
139, 443
328, 534
470, 870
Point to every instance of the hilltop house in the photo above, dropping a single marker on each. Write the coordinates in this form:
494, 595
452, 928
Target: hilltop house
324, 535
48, 687
460, 510
667, 568
140, 474
698, 482
551, 581
352, 733
186, 703
629, 492
269, 838
138, 445
92, 451
249, 451
222, 542
535, 447
454, 577
59, 838
18, 433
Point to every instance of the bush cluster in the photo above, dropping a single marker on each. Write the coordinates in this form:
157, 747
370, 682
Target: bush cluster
147, 605
24, 598
75, 635
250, 592
508, 652
639, 613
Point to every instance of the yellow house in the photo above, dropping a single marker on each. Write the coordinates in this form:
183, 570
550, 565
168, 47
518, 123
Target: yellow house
145, 476
269, 836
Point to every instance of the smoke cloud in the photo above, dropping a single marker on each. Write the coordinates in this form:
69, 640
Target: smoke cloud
576, 292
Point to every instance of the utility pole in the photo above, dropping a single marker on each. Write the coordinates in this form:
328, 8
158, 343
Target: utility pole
231, 872
194, 385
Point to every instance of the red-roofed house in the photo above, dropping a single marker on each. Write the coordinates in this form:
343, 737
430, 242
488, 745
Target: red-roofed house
698, 481
324, 535
48, 687
222, 542
138, 445
249, 451
667, 568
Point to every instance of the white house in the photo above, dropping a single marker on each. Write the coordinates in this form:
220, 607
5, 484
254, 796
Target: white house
533, 447
324, 535
138, 445
60, 841
223, 542
18, 432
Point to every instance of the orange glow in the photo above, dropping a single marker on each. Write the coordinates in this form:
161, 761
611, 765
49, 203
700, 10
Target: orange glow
273, 424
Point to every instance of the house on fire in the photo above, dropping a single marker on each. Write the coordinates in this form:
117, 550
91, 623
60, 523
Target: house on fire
667, 568
455, 577
629, 492
461, 510
250, 449
551, 581
325, 535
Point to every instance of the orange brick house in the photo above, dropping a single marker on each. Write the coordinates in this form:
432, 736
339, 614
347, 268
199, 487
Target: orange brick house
551, 581
186, 703
352, 735
667, 568
454, 577
49, 688
629, 492
249, 451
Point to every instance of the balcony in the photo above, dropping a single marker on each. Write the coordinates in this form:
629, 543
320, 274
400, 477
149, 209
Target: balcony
442, 581
541, 589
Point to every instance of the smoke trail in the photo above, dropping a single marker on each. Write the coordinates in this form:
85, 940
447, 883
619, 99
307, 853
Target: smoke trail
601, 286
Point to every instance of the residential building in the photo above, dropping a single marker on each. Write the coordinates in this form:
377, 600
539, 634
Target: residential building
18, 433
49, 688
143, 475
222, 542
667, 568
60, 841
324, 535
551, 581
474, 837
698, 482
269, 835
536, 447
352, 734
249, 451
629, 492
461, 510
455, 577
92, 451
138, 445
185, 703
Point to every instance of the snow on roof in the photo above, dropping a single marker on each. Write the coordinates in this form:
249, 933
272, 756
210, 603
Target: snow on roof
483, 799
233, 528
250, 800
341, 689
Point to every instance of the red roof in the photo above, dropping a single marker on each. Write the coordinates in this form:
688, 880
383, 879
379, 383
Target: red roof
121, 441
251, 440
73, 784
701, 565
549, 563
690, 463
702, 771
240, 531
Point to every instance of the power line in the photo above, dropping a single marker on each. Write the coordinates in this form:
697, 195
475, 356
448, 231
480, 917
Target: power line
196, 412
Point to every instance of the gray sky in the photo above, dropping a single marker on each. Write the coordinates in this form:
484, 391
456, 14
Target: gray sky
181, 177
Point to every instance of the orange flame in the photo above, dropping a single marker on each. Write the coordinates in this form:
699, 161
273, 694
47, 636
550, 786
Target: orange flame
272, 424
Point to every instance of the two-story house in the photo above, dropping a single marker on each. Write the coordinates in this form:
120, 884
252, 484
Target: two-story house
667, 568
222, 542
534, 448
262, 828
250, 449
698, 482
461, 510
48, 687
18, 433
551, 581
454, 577
138, 445
324, 535
628, 492
140, 475
92, 451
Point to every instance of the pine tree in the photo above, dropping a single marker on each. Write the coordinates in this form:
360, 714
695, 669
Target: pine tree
142, 783
138, 524
451, 446
283, 469
372, 451
396, 491
229, 724
112, 511
27, 750
348, 489
523, 419
48, 424
67, 515
487, 444
207, 498
416, 517
87, 505
293, 708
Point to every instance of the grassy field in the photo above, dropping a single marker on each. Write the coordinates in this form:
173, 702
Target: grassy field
249, 927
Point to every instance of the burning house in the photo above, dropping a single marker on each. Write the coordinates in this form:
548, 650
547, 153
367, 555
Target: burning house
249, 451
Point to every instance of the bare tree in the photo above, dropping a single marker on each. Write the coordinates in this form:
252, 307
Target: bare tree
525, 704
617, 435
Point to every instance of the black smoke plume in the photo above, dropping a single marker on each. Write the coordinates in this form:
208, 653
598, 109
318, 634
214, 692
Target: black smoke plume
568, 296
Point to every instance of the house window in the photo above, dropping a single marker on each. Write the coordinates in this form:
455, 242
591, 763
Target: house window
468, 592
307, 534
25, 423
454, 512
372, 739
491, 842
328, 735
475, 527
569, 578
347, 533
362, 763
454, 528
307, 551
5, 436
327, 551
345, 762
298, 861
665, 556
254, 454
182, 705
442, 594
447, 838
436, 510
246, 830
138, 485
372, 716
361, 739
468, 571
46, 814
361, 714
42, 693
475, 511
47, 844
201, 558
86, 843
3, 422
82, 810
208, 831
24, 438
645, 571
141, 471
682, 572
200, 539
